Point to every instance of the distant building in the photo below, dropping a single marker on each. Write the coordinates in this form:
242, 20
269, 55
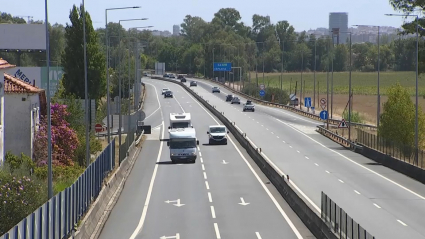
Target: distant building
176, 30
339, 20
161, 33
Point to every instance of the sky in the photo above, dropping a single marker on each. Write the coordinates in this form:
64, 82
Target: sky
163, 14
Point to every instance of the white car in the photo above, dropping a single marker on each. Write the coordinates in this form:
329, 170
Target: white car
218, 134
164, 90
215, 89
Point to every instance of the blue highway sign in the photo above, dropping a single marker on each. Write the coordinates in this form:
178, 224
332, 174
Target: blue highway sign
324, 114
262, 93
222, 66
307, 102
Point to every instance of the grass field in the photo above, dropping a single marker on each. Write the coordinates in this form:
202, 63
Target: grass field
364, 85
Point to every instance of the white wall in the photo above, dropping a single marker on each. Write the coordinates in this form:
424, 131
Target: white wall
20, 122
2, 152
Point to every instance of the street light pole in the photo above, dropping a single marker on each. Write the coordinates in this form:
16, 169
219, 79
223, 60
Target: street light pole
378, 108
417, 73
314, 74
108, 100
86, 88
49, 116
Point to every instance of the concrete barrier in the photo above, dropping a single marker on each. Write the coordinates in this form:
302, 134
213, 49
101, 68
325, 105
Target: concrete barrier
311, 219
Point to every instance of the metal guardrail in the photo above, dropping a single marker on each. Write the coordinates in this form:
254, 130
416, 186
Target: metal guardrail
58, 217
340, 222
292, 109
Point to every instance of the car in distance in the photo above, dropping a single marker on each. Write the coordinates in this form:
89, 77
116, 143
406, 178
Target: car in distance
164, 90
172, 76
166, 75
236, 100
168, 93
193, 83
145, 74
218, 134
229, 98
215, 89
182, 80
249, 106
179, 77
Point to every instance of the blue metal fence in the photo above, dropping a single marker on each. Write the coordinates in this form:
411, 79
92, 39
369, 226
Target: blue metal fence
56, 218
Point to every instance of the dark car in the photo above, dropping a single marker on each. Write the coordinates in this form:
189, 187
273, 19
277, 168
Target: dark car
229, 98
168, 93
145, 74
182, 79
172, 76
193, 83
236, 100
166, 75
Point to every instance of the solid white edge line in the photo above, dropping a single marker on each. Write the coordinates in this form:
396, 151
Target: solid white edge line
217, 232
258, 235
152, 113
402, 223
212, 212
148, 197
354, 162
209, 197
285, 216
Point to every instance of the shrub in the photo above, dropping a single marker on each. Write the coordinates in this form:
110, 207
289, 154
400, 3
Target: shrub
355, 116
19, 197
64, 138
15, 164
59, 172
272, 93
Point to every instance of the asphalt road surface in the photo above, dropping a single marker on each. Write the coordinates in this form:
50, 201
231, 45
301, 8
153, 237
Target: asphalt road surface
222, 195
384, 202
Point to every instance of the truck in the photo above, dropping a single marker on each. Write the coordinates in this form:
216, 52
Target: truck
180, 120
183, 145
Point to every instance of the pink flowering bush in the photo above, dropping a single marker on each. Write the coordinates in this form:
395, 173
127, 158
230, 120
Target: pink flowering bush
64, 138
19, 197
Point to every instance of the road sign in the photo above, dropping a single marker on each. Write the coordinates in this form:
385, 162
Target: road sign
324, 115
292, 96
307, 102
262, 93
98, 128
262, 87
323, 102
343, 124
222, 66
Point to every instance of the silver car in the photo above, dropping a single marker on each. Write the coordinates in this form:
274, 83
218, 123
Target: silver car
236, 100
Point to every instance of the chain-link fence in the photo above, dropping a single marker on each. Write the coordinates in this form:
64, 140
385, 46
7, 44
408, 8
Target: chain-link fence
340, 222
397, 150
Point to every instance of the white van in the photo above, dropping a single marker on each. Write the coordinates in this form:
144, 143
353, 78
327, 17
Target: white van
180, 120
183, 144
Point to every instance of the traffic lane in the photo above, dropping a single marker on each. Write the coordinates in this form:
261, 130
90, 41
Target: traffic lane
237, 181
151, 104
127, 210
307, 184
278, 113
173, 186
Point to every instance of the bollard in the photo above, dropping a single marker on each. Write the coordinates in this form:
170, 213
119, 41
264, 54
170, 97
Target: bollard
260, 150
287, 177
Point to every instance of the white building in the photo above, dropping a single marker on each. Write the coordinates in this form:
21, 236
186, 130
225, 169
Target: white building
4, 66
23, 105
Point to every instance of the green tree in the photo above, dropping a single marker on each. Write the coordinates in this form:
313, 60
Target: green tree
397, 123
72, 59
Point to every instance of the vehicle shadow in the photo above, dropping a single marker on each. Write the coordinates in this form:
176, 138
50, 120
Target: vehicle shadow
212, 144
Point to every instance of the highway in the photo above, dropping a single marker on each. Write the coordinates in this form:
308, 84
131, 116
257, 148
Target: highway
384, 202
222, 195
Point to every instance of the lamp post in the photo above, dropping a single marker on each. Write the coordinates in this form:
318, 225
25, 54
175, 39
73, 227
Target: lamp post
49, 116
417, 73
350, 103
119, 89
108, 106
378, 110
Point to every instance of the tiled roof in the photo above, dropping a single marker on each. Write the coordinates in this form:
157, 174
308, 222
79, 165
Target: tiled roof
14, 85
5, 65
